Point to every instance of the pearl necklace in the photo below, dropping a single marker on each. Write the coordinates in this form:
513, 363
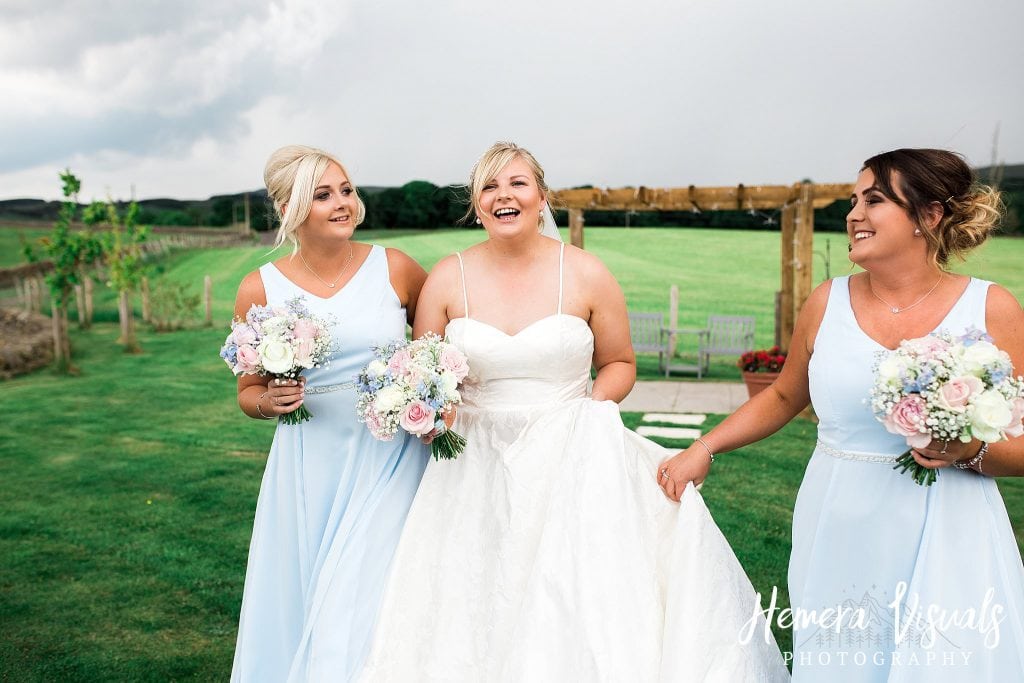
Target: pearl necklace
343, 268
897, 309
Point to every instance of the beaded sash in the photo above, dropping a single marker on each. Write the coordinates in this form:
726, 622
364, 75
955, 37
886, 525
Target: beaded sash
860, 457
328, 388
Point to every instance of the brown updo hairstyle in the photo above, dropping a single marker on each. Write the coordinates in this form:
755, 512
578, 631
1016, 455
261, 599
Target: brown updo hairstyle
970, 210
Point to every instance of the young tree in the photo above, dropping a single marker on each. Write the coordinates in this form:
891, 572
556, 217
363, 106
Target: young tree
122, 250
69, 252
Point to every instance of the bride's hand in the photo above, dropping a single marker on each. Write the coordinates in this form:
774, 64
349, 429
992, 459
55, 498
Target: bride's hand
692, 464
449, 419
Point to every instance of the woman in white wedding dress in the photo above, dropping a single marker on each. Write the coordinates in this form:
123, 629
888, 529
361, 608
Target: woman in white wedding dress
546, 551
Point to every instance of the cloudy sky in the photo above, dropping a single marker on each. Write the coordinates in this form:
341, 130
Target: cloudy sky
187, 98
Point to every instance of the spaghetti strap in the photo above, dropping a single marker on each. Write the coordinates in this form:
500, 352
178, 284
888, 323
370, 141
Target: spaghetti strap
465, 298
561, 261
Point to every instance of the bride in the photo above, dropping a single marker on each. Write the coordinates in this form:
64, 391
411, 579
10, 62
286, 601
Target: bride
546, 551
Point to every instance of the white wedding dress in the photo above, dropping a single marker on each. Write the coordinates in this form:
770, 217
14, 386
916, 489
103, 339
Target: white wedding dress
547, 552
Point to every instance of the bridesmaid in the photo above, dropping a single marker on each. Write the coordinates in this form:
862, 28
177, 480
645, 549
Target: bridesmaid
930, 577
333, 499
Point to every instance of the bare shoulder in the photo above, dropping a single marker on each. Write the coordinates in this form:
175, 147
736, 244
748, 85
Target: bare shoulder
399, 260
445, 269
403, 265
1000, 301
818, 299
1003, 313
586, 265
250, 291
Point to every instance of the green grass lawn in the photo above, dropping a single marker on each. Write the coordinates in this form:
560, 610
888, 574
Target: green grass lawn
129, 491
11, 244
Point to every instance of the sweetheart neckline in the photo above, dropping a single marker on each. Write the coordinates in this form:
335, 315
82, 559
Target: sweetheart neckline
516, 334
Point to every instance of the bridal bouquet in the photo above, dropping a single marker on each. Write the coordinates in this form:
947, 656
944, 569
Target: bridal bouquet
278, 341
944, 388
411, 385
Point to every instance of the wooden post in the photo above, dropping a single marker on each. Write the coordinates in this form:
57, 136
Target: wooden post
124, 310
37, 293
145, 299
65, 337
576, 227
803, 248
59, 333
786, 265
208, 299
248, 228
19, 287
673, 315
80, 304
88, 300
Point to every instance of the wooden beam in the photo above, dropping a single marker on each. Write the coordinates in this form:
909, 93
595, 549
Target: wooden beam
576, 227
803, 248
785, 332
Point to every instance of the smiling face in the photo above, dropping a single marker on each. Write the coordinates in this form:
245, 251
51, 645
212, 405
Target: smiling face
334, 208
877, 226
511, 202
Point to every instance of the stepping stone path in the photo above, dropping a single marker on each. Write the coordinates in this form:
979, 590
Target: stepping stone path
671, 432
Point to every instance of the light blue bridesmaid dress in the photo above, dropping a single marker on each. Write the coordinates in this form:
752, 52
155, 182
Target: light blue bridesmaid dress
870, 541
332, 503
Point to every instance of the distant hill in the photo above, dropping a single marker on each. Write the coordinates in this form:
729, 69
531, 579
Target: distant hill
218, 210
1010, 172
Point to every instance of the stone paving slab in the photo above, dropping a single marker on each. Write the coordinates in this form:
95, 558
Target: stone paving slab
668, 432
675, 418
685, 397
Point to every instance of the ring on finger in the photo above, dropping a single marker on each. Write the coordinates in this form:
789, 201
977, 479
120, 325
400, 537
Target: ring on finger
664, 473
945, 445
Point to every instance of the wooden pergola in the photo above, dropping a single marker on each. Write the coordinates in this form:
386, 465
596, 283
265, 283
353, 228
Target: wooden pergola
796, 202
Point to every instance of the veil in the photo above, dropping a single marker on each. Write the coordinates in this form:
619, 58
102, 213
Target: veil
548, 228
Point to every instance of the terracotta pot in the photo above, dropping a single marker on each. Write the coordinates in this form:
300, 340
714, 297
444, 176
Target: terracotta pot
758, 381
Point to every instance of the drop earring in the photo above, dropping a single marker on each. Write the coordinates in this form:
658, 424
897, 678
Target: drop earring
917, 231
478, 220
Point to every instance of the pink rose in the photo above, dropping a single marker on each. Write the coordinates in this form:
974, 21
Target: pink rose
244, 335
305, 329
400, 362
304, 353
417, 418
454, 361
954, 394
906, 419
926, 346
1015, 428
246, 359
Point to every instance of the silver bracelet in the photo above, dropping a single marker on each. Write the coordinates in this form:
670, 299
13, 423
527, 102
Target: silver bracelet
260, 410
706, 447
975, 462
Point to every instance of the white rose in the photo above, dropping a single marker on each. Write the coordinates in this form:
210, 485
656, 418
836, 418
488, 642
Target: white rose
989, 414
277, 356
449, 384
889, 369
376, 368
389, 399
978, 355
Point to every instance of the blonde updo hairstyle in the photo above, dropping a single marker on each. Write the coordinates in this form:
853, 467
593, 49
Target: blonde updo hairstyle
291, 176
487, 168
970, 210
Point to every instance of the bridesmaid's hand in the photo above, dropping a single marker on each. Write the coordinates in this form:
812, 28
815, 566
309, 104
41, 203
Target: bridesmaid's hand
449, 419
284, 395
939, 454
692, 464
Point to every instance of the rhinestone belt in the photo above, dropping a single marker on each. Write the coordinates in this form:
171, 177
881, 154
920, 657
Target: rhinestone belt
860, 457
328, 388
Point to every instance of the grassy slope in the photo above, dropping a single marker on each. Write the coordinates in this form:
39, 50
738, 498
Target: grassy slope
129, 491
